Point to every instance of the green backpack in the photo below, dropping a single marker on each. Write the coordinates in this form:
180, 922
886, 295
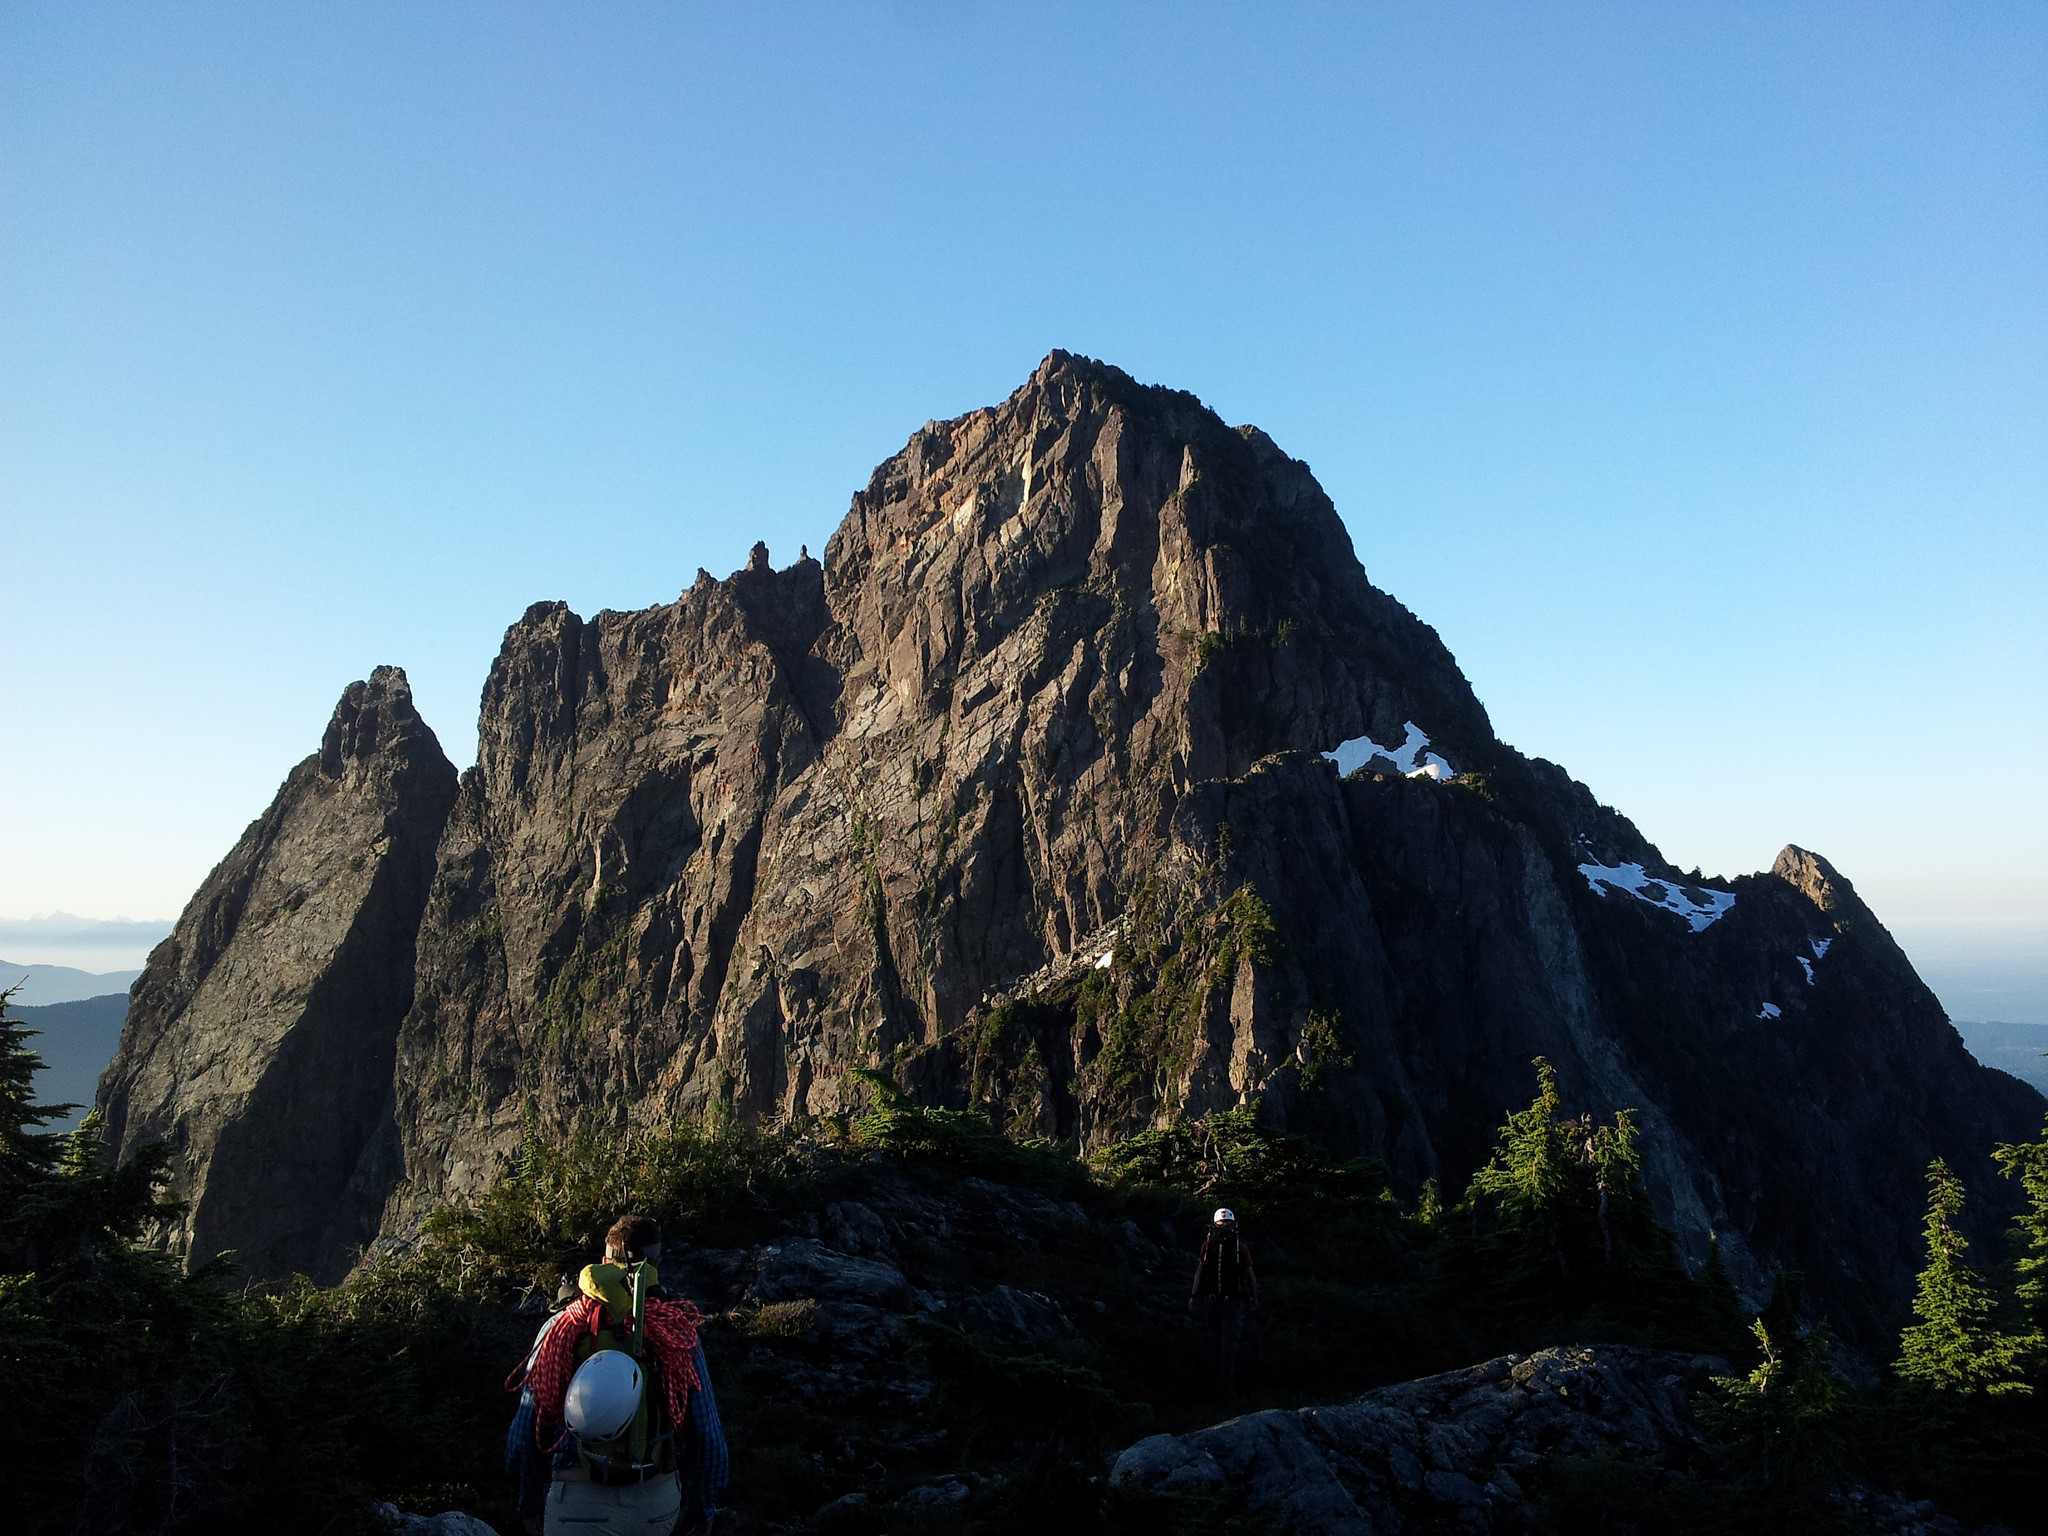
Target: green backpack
645, 1448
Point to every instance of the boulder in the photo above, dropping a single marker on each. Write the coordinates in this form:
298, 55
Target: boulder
1014, 1317
804, 1267
1436, 1453
854, 1228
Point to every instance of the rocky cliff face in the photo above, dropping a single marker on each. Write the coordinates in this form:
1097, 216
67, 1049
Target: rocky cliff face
260, 1040
1089, 779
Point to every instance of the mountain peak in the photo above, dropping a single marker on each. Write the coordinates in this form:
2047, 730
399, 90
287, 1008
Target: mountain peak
1024, 794
374, 718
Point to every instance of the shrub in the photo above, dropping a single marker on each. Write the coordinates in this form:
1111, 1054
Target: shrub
548, 1214
965, 1141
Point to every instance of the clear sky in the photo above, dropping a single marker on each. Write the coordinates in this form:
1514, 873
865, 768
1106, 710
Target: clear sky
1684, 365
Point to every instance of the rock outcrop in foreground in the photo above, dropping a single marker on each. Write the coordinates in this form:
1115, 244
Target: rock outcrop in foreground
1086, 779
1438, 1454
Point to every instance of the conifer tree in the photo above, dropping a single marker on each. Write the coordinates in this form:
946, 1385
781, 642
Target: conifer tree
27, 1152
2028, 1162
1561, 1224
1561, 1185
1783, 1418
1957, 1347
1429, 1206
59, 1197
1528, 1173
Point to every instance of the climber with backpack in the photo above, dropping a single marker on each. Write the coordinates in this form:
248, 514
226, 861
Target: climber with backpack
1225, 1278
617, 1429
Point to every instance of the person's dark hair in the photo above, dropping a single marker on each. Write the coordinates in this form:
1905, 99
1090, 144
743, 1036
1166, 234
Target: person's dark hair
633, 1236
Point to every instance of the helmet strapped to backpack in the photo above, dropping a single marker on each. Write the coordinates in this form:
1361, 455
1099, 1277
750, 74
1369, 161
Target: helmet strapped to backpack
603, 1396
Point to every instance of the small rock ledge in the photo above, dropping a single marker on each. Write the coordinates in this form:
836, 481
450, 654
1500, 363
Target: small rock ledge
1442, 1453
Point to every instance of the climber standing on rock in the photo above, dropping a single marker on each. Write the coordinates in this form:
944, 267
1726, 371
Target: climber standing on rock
1226, 1281
617, 1430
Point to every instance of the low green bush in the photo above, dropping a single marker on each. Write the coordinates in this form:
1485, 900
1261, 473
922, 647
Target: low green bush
963, 1141
711, 1184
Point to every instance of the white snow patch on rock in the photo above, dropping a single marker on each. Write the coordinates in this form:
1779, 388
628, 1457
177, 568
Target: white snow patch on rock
1805, 965
1410, 757
1699, 906
1769, 1011
1110, 953
1820, 947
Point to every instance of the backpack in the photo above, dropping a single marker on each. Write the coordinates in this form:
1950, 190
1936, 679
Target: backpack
645, 1447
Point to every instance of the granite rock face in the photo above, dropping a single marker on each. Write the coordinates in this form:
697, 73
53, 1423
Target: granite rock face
1441, 1453
1023, 794
262, 1036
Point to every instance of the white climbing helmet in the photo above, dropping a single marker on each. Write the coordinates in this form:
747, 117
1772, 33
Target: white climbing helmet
1224, 1213
603, 1395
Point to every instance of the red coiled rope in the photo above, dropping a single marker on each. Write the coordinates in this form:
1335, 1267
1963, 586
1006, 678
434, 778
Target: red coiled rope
669, 1336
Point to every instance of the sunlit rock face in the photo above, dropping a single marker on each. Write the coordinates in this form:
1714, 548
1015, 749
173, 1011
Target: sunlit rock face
1033, 793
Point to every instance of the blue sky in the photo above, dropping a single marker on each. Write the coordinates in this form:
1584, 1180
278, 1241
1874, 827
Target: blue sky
1686, 366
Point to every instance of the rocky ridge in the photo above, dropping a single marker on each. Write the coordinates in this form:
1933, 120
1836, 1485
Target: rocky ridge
1025, 795
1449, 1452
1440, 1453
262, 1037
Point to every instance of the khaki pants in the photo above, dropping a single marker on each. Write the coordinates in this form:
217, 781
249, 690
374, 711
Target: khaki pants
579, 1508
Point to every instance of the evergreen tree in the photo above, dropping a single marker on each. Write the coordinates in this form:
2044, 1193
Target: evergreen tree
60, 1199
1429, 1205
27, 1153
1957, 1347
1562, 1186
2028, 1162
1782, 1421
1561, 1226
1528, 1174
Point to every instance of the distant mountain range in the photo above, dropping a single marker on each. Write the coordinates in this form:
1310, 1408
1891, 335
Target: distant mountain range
2021, 1049
43, 984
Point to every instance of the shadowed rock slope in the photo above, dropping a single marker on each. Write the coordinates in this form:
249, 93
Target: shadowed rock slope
1022, 795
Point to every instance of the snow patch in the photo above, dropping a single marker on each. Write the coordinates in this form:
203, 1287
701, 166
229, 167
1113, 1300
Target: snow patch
1820, 947
1109, 954
1409, 757
1805, 965
1769, 1011
1699, 906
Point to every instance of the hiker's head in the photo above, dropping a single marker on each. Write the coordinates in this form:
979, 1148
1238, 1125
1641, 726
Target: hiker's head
1225, 1219
633, 1238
